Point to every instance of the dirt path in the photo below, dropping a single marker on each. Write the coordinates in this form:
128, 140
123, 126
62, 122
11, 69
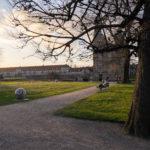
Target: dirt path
32, 126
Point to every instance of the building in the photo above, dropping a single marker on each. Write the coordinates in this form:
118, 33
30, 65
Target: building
79, 74
132, 70
50, 72
107, 64
33, 72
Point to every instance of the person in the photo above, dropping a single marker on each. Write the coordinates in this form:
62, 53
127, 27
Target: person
100, 86
104, 84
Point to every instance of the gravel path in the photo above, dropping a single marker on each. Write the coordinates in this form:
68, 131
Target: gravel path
32, 126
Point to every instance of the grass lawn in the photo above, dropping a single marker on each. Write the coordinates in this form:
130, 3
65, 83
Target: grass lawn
37, 89
112, 104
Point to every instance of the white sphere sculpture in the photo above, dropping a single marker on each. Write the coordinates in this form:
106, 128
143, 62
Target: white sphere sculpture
20, 93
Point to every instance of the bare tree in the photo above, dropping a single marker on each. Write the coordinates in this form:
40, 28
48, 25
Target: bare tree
127, 54
66, 22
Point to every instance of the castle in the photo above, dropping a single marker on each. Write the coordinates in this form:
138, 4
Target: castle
107, 64
110, 64
49, 72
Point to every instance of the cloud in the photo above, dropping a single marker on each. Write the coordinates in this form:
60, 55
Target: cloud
4, 24
7, 26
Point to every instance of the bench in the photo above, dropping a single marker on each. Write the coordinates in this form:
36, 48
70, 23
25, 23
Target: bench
103, 85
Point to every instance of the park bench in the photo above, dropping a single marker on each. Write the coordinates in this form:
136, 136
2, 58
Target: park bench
103, 85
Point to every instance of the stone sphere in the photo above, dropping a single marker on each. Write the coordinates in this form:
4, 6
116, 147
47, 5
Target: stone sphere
20, 93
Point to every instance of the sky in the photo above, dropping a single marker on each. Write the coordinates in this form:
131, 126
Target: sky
12, 56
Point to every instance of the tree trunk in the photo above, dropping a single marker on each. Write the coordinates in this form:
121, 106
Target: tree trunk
138, 122
126, 67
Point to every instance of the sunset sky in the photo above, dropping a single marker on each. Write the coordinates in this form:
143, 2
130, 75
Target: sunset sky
11, 56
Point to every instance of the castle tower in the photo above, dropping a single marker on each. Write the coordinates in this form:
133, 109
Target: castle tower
97, 57
108, 64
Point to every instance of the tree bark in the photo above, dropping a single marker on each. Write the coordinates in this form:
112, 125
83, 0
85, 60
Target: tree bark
126, 67
138, 122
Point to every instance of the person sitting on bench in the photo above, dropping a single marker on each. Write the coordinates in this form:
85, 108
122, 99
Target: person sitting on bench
104, 84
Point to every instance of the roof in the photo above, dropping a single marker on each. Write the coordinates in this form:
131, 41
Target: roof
26, 68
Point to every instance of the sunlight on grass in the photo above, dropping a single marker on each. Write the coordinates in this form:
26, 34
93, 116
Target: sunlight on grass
110, 105
38, 89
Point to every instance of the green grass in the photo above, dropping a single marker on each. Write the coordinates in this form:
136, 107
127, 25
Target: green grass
112, 104
37, 89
